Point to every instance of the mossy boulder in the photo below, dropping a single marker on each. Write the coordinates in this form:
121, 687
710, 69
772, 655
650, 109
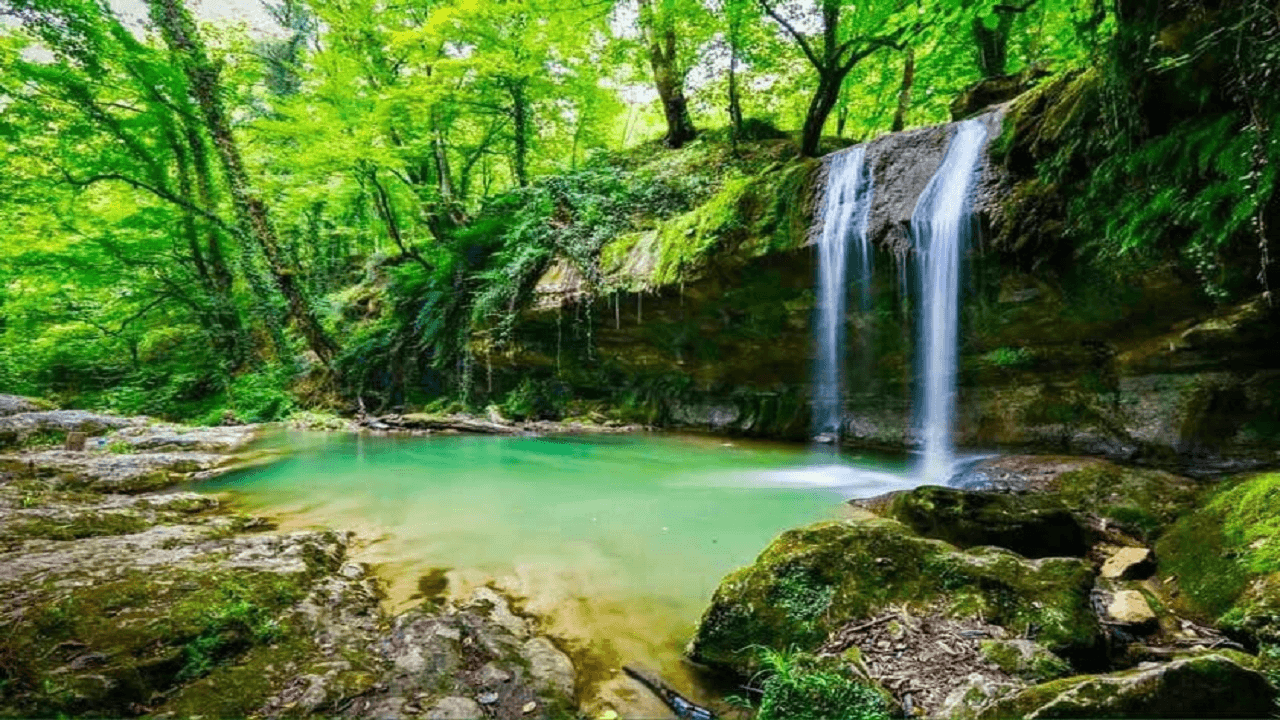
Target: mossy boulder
1142, 502
1226, 558
1209, 686
1031, 525
811, 581
1025, 659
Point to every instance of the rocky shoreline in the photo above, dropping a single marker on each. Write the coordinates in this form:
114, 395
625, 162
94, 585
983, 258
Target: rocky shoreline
123, 597
1042, 586
1052, 587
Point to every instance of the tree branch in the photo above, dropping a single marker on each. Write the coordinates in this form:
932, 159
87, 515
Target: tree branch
795, 34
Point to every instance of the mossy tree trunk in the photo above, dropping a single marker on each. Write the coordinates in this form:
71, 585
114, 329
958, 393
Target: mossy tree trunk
178, 28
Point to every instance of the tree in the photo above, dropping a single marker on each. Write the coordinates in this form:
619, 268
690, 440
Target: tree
658, 21
883, 26
179, 32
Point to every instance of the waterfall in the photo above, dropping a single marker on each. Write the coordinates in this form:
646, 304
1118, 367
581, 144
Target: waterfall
940, 227
846, 210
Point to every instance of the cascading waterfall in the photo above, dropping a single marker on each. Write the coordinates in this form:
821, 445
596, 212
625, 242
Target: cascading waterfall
846, 211
940, 228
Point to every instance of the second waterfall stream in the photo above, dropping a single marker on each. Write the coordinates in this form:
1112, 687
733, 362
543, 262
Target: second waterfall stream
940, 230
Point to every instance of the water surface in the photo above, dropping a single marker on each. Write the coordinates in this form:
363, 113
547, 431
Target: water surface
618, 541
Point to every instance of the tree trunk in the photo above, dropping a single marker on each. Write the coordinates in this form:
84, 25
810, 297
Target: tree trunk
735, 101
824, 99
667, 78
520, 126
904, 95
179, 31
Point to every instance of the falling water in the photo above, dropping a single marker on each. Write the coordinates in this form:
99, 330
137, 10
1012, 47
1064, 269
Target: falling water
845, 213
940, 227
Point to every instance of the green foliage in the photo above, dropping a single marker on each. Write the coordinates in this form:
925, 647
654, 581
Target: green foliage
797, 686
1196, 190
1219, 550
1009, 357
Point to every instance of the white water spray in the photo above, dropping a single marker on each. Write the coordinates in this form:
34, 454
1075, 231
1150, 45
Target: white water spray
940, 228
846, 211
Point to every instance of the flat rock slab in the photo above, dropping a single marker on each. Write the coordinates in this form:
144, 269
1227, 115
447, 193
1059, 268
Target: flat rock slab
168, 438
15, 404
1130, 607
16, 429
107, 472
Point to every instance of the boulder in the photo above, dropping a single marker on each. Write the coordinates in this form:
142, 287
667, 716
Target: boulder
1129, 563
811, 581
1141, 502
108, 472
1130, 608
1031, 525
1209, 686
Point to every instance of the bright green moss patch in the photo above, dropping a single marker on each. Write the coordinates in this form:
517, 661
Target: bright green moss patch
1226, 557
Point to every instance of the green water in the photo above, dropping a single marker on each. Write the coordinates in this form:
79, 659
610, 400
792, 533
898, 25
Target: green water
618, 541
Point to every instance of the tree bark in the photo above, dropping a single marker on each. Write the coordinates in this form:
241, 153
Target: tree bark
667, 77
179, 31
904, 95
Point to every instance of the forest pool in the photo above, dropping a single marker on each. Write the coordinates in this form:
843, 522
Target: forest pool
618, 541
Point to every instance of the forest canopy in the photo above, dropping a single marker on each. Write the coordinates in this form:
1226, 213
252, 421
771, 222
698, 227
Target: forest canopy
193, 213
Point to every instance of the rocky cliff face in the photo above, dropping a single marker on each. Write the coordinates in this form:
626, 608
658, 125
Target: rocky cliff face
705, 322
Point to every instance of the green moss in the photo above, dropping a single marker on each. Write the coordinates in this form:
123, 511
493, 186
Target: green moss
150, 634
1030, 662
813, 580
1226, 557
76, 527
1143, 502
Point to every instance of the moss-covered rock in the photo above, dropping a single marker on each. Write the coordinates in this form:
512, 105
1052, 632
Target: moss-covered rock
1209, 686
1226, 558
1140, 501
1031, 525
1025, 659
813, 580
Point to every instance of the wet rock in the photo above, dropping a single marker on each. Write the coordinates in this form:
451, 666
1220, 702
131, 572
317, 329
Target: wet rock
549, 667
1033, 526
1210, 686
454, 708
1129, 563
810, 581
